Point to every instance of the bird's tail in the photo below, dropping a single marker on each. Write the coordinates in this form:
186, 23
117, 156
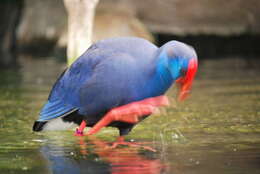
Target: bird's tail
51, 113
38, 125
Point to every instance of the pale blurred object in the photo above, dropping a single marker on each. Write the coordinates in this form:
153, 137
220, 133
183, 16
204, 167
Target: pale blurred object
80, 25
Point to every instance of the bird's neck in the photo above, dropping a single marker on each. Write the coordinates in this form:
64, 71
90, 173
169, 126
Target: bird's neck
162, 79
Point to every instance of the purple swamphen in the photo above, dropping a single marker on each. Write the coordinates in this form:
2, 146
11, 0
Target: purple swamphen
117, 82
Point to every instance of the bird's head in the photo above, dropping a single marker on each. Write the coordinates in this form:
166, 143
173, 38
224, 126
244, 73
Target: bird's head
182, 64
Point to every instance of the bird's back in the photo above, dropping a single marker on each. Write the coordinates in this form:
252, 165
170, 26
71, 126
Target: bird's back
108, 74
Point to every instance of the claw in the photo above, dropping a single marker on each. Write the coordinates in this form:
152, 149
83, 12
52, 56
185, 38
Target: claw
79, 131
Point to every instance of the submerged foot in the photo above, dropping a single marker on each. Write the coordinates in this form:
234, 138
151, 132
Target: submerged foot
121, 141
79, 131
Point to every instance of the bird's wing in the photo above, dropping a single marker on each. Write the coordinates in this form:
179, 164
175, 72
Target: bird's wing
114, 82
64, 97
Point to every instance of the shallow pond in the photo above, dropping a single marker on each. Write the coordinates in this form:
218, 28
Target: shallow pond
216, 130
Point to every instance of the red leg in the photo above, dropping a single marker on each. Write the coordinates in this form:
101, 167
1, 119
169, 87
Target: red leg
131, 112
79, 131
83, 146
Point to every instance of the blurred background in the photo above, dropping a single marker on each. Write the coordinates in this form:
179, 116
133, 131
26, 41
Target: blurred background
216, 129
215, 28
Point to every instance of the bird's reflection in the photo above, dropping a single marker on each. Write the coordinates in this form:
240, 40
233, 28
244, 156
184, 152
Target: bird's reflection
95, 156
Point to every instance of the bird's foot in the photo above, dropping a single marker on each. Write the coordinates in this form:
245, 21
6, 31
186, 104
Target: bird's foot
130, 113
121, 141
79, 131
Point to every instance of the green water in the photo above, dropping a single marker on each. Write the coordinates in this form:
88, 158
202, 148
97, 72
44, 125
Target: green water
216, 130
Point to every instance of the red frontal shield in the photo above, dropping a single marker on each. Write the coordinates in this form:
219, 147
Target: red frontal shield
186, 82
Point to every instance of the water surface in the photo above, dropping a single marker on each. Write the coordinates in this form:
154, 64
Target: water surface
216, 130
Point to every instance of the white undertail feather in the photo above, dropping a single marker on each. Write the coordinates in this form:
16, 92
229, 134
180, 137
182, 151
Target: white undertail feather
58, 124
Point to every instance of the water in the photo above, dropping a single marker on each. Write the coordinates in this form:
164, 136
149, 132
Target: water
216, 130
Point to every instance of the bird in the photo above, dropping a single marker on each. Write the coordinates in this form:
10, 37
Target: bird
117, 82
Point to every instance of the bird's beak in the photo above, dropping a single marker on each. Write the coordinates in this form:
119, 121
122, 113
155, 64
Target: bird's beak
186, 82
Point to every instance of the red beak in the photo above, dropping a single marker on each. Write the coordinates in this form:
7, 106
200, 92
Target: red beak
186, 82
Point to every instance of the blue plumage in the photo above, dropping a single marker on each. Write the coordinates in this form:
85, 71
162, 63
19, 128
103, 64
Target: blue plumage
115, 72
